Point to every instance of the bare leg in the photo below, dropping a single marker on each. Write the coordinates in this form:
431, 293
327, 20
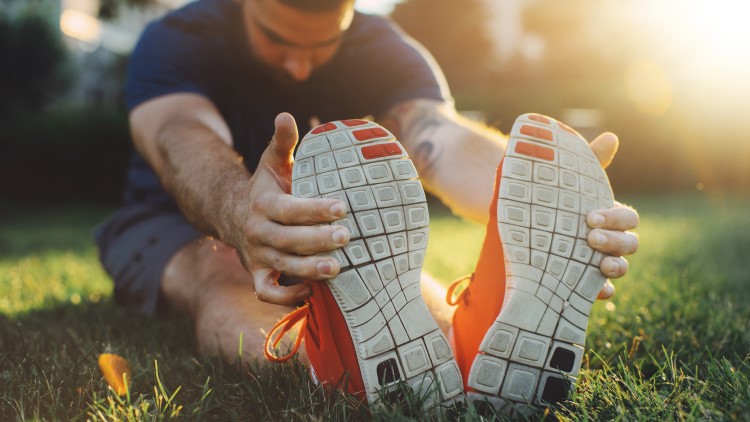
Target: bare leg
206, 280
434, 297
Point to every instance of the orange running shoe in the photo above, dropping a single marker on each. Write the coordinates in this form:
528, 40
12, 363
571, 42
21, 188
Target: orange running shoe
520, 324
368, 329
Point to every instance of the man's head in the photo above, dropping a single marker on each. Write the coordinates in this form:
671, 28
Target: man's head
295, 37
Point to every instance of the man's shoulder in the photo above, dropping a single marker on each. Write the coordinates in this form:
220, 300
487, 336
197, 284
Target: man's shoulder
372, 26
199, 17
184, 51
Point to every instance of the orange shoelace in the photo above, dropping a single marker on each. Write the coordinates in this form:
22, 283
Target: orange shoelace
462, 293
285, 325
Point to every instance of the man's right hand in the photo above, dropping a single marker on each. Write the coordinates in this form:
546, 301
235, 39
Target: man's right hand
274, 232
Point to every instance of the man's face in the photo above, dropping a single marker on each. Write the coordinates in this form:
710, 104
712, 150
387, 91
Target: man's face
291, 41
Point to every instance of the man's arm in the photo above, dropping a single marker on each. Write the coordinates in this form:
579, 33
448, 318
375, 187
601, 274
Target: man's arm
457, 160
190, 150
189, 146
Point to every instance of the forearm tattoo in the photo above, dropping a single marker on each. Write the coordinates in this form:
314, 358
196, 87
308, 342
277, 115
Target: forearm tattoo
416, 124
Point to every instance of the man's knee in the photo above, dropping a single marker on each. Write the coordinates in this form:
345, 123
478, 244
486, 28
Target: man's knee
202, 259
135, 244
198, 270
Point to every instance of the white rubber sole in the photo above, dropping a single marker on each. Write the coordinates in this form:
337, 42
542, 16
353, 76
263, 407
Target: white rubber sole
532, 353
378, 289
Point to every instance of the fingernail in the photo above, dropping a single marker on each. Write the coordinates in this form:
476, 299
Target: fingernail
598, 239
325, 268
596, 219
608, 289
611, 268
340, 236
338, 209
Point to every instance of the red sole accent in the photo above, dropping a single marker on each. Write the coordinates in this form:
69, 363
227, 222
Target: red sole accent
371, 152
537, 132
536, 151
367, 134
323, 128
354, 122
539, 118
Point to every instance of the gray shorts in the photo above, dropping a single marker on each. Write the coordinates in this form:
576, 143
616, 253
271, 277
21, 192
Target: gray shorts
135, 245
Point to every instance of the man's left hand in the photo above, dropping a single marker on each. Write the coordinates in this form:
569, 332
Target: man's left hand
610, 227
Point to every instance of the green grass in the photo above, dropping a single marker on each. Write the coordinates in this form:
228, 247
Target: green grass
672, 345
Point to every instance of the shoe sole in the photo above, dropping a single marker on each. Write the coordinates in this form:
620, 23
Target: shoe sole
378, 288
550, 180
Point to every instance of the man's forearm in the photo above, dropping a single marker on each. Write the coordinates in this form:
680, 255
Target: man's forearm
456, 158
206, 177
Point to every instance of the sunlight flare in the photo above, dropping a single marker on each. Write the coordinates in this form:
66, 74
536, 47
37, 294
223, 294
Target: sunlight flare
648, 87
80, 26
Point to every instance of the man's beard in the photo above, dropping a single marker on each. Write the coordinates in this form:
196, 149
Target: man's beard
283, 80
279, 77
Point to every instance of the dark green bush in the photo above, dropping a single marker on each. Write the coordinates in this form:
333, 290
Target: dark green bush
31, 71
77, 154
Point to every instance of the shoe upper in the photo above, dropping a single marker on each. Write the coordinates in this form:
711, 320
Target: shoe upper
328, 343
483, 298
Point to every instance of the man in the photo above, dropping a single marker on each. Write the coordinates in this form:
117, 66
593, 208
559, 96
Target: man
207, 89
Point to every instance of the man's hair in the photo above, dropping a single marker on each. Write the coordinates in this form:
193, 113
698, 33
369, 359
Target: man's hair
315, 5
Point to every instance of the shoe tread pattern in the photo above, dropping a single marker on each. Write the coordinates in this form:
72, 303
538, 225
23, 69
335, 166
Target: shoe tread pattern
378, 288
550, 181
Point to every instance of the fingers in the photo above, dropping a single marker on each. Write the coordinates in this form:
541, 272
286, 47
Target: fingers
289, 210
613, 266
615, 243
267, 289
620, 218
605, 147
608, 290
304, 240
609, 225
307, 267
609, 235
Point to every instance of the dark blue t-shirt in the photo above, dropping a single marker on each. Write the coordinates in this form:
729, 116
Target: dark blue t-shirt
203, 48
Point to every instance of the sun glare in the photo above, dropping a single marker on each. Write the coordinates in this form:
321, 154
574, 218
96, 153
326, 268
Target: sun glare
697, 52
723, 27
80, 26
704, 29
648, 87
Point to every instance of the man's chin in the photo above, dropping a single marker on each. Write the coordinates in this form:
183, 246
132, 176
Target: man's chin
280, 76
285, 81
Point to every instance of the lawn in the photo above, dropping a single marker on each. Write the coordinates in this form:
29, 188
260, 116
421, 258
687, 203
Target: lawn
673, 344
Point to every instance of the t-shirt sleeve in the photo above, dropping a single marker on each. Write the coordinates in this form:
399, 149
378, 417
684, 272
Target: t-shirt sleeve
400, 69
170, 57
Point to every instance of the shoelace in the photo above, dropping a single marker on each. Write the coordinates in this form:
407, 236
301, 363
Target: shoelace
291, 319
285, 324
462, 294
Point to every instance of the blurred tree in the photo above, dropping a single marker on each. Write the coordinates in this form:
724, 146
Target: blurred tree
587, 48
594, 58
32, 69
108, 8
454, 32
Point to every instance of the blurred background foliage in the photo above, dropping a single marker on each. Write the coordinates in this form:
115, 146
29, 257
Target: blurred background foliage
663, 78
32, 69
677, 98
